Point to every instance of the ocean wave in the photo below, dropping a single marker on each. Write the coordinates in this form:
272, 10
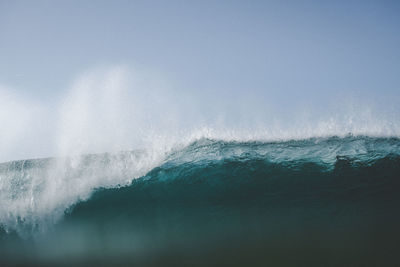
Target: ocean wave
35, 194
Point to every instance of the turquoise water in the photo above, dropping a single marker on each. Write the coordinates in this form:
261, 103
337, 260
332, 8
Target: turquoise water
320, 201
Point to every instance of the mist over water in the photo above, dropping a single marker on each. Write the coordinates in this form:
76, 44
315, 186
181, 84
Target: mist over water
119, 108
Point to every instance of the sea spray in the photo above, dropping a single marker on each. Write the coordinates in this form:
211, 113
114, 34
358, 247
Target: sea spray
35, 193
122, 108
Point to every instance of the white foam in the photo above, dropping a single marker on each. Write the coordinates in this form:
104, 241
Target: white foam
35, 194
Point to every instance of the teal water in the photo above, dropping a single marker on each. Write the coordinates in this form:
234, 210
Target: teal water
321, 201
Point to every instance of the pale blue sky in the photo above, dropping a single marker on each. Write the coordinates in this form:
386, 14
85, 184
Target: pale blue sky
266, 47
287, 54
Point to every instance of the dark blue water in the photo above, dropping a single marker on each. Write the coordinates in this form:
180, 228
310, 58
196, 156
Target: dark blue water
330, 202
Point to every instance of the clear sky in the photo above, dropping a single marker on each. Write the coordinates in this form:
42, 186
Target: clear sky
285, 53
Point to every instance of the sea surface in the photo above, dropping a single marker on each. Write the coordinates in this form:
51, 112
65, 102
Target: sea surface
331, 201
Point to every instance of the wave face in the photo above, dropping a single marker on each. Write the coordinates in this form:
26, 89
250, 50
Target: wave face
211, 202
